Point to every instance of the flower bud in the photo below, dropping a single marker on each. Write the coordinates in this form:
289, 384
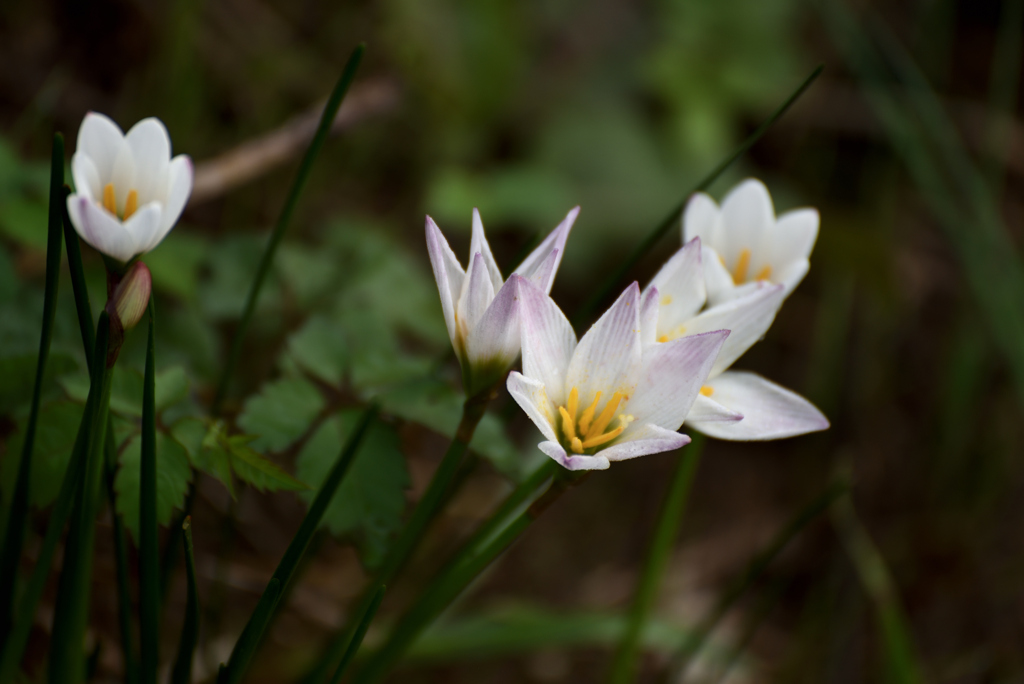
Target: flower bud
131, 296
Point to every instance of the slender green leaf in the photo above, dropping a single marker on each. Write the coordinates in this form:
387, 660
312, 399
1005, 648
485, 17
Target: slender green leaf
357, 638
173, 475
124, 592
182, 673
149, 542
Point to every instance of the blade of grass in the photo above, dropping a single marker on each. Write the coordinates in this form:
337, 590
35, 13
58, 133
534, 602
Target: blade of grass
625, 661
610, 284
182, 673
330, 111
124, 594
252, 634
149, 541
357, 638
14, 537
1003, 88
753, 622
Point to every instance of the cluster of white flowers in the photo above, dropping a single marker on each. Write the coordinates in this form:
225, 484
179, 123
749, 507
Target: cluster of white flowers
656, 358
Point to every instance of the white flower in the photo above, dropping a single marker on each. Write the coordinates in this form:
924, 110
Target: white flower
608, 398
128, 191
481, 309
733, 405
747, 243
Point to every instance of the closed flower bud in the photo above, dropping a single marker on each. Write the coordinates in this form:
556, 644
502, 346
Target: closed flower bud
131, 297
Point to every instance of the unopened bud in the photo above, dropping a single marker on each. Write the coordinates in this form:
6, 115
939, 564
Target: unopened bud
131, 296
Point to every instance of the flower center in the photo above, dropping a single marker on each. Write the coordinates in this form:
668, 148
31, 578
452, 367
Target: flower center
589, 431
739, 273
110, 202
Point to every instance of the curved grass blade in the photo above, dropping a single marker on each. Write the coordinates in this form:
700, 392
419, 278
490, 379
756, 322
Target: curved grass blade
357, 638
625, 660
326, 120
611, 283
265, 609
15, 534
149, 542
182, 673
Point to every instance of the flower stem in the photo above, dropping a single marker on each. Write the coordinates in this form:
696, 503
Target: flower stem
326, 120
149, 541
357, 638
182, 673
625, 662
124, 594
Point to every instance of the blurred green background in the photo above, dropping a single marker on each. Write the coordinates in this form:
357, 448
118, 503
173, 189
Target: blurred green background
908, 331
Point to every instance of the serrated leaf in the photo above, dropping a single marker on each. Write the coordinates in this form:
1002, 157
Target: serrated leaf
319, 348
55, 437
205, 453
281, 413
369, 503
256, 469
126, 389
173, 474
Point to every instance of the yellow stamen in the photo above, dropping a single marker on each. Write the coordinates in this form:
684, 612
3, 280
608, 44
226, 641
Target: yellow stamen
108, 199
606, 416
663, 338
602, 439
567, 423
131, 204
573, 404
577, 445
588, 416
742, 264
764, 274
707, 390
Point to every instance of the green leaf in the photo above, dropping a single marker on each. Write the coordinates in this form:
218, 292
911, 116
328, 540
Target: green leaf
281, 413
256, 469
171, 387
55, 437
369, 503
20, 220
126, 389
173, 474
18, 377
319, 348
204, 449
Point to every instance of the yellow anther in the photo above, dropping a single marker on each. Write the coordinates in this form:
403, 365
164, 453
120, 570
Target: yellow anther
663, 338
742, 264
588, 415
567, 423
573, 404
764, 274
108, 199
601, 439
606, 417
131, 204
707, 390
577, 445
666, 300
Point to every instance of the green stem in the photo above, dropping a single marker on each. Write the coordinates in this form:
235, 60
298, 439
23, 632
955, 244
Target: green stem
190, 628
124, 594
604, 291
251, 636
78, 286
71, 612
625, 662
149, 542
326, 120
14, 537
357, 638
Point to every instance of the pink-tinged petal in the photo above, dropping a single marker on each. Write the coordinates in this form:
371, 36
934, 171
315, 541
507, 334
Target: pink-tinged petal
448, 274
86, 177
649, 316
496, 338
717, 279
701, 218
144, 226
478, 244
548, 340
533, 399
769, 411
672, 376
793, 273
101, 230
681, 284
707, 410
747, 215
179, 175
123, 176
542, 263
575, 461
608, 358
747, 317
793, 236
477, 295
151, 150
648, 439
99, 138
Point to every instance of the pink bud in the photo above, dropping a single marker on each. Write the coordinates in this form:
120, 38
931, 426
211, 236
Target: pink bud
131, 296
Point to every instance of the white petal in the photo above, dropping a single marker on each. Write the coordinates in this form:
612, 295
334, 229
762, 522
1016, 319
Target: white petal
101, 230
793, 236
151, 149
477, 295
548, 340
769, 411
533, 399
144, 227
717, 279
747, 317
793, 273
608, 358
179, 188
448, 274
681, 284
99, 138
576, 461
747, 214
707, 410
672, 376
648, 439
478, 244
87, 178
123, 176
701, 219
496, 338
649, 308
542, 263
